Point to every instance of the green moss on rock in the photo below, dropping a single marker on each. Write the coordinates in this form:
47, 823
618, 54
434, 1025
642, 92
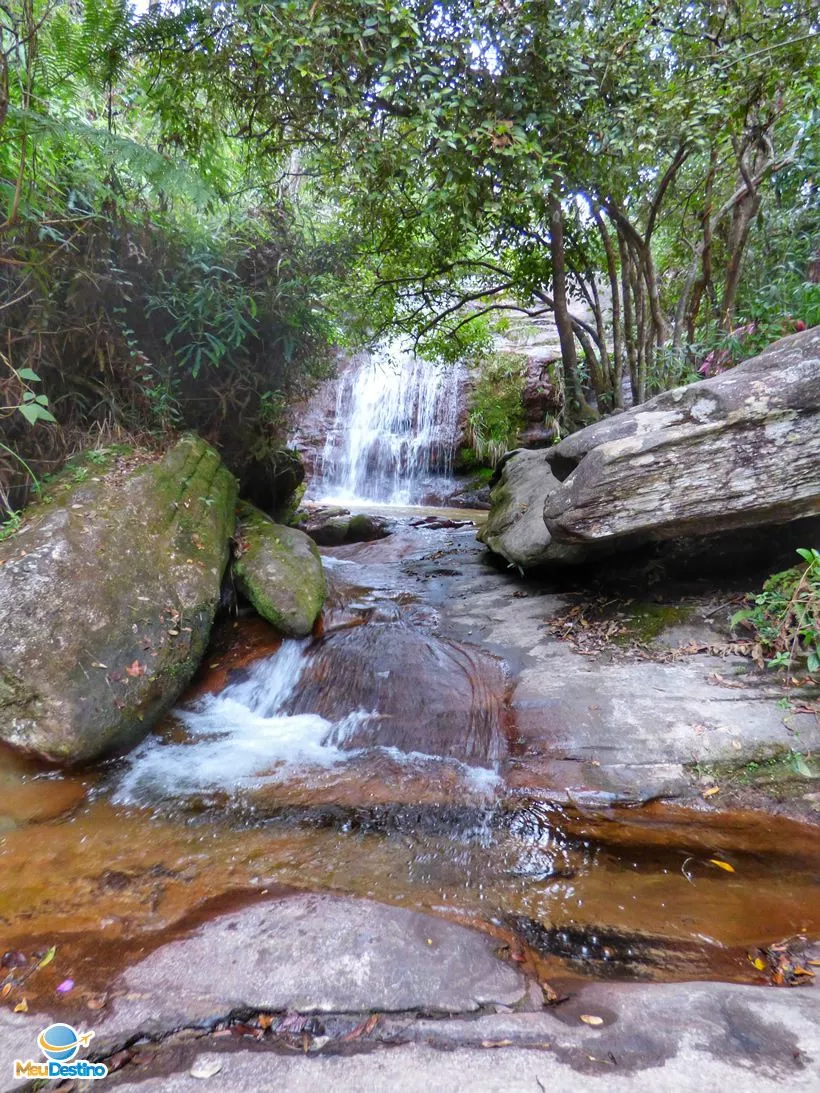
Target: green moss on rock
279, 569
109, 589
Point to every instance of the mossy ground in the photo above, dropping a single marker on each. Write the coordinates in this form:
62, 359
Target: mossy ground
644, 622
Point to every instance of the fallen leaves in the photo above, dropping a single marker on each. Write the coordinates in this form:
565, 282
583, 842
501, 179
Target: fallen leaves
710, 792
591, 1019
362, 1029
47, 958
135, 669
782, 964
724, 865
17, 962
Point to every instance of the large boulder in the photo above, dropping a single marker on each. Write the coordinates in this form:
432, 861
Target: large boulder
406, 690
109, 591
738, 451
279, 569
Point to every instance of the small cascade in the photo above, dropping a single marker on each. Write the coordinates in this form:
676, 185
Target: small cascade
395, 431
312, 706
237, 739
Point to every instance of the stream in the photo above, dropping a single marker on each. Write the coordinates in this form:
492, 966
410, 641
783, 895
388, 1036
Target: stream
343, 764
433, 746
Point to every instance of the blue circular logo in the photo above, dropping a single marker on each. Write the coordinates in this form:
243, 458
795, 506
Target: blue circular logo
59, 1043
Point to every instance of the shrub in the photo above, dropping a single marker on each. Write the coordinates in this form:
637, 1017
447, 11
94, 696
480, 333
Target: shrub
496, 409
785, 615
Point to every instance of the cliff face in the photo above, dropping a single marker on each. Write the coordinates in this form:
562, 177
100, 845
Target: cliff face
311, 421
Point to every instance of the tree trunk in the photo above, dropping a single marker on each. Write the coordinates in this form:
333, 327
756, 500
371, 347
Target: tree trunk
629, 328
742, 218
569, 355
617, 331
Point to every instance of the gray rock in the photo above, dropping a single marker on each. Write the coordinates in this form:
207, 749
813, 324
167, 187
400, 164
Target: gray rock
737, 451
109, 591
280, 571
330, 527
515, 527
314, 954
674, 1038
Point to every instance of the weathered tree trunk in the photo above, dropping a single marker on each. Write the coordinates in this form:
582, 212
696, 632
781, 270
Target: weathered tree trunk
563, 321
705, 280
742, 218
751, 162
629, 326
606, 394
617, 331
644, 332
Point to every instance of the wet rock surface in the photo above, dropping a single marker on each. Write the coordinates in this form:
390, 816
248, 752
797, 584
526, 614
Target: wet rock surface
332, 526
679, 1037
587, 725
109, 591
737, 451
314, 954
279, 570
561, 882
425, 695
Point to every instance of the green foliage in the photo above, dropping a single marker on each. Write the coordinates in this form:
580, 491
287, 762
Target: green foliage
785, 616
197, 199
154, 274
10, 525
495, 407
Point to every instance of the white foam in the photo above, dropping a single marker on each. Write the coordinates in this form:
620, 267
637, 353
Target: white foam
242, 739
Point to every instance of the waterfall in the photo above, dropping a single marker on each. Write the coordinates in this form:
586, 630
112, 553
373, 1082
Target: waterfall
395, 430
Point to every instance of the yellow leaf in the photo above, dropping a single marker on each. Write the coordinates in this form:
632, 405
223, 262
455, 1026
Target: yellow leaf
759, 963
722, 865
47, 959
5, 991
711, 791
21, 1007
591, 1019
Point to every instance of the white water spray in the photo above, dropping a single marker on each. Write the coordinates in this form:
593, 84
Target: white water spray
395, 431
239, 738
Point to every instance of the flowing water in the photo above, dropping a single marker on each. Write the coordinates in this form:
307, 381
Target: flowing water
395, 430
381, 758
340, 764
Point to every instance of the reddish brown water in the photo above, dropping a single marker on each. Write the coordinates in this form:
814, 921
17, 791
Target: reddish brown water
656, 892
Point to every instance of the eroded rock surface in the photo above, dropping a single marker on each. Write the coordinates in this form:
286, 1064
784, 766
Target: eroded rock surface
280, 571
316, 954
108, 592
440, 698
737, 451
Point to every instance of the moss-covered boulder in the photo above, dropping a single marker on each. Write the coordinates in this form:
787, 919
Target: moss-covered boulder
279, 570
108, 592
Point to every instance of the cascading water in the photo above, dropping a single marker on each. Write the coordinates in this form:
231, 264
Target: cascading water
237, 738
395, 431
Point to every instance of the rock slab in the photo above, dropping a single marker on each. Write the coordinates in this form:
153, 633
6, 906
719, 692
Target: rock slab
734, 452
315, 954
109, 591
